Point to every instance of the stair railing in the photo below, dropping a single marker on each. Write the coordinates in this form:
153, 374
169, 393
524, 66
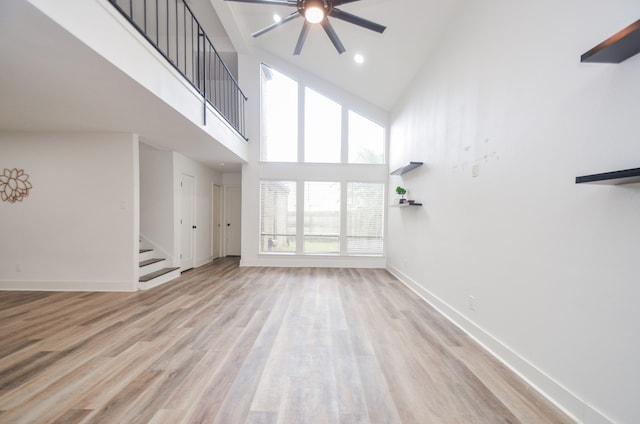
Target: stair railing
171, 27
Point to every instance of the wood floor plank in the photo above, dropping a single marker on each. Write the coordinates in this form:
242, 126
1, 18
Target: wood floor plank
227, 344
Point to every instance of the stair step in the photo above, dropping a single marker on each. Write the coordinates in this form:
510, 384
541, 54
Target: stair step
145, 250
156, 274
150, 261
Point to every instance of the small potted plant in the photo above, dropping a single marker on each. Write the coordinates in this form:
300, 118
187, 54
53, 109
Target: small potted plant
401, 191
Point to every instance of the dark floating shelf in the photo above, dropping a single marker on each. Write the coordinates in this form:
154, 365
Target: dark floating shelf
407, 168
626, 176
617, 48
406, 205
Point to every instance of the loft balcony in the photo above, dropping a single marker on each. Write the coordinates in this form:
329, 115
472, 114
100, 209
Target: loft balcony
172, 28
83, 66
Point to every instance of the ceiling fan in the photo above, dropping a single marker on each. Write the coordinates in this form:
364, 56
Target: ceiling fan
316, 12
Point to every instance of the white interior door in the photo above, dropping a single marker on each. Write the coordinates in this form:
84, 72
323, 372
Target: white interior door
232, 206
187, 222
216, 225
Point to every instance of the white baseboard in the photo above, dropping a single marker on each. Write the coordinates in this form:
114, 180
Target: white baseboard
560, 396
100, 286
311, 261
204, 261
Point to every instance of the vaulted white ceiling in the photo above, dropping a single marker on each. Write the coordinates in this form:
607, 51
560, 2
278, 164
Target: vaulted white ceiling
49, 79
391, 59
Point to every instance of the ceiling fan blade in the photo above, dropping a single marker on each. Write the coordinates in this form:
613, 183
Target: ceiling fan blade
302, 38
356, 20
341, 2
276, 24
328, 28
278, 2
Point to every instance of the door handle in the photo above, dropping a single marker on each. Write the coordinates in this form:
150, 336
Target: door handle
194, 227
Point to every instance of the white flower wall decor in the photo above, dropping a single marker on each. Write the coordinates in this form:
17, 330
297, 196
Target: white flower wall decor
14, 185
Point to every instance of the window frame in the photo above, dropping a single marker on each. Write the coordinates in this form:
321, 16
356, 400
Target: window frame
342, 172
261, 234
383, 187
345, 108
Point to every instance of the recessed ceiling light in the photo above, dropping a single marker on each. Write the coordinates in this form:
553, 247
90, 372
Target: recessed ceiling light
276, 17
358, 58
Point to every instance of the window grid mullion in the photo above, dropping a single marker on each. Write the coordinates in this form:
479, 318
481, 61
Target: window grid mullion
344, 151
343, 218
301, 122
300, 217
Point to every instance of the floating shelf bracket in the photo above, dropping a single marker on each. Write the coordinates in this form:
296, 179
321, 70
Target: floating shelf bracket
617, 48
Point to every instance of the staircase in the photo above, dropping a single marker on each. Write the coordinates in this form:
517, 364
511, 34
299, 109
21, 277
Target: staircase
153, 271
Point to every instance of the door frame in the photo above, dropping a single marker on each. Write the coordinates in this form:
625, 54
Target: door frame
192, 263
225, 220
216, 227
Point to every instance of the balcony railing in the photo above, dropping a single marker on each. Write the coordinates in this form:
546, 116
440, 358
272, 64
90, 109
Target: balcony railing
175, 32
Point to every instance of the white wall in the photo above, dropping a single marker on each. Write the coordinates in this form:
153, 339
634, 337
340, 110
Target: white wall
552, 266
204, 178
77, 229
156, 200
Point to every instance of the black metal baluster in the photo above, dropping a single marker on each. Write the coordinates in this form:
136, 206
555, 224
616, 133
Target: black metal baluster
157, 27
214, 81
184, 24
177, 41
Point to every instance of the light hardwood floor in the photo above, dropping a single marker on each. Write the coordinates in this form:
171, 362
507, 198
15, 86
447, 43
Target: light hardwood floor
224, 344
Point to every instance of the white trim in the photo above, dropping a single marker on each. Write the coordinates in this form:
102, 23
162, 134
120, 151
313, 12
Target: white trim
225, 217
203, 261
560, 396
84, 285
320, 261
193, 218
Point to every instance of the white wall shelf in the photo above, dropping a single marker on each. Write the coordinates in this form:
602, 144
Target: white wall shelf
407, 168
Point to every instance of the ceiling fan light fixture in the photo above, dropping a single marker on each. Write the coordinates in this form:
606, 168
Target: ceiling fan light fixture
314, 12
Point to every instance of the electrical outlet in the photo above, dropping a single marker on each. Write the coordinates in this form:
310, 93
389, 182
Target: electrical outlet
472, 303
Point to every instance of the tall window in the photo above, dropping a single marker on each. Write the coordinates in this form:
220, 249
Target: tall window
328, 140
321, 217
319, 121
322, 128
366, 140
365, 218
279, 117
277, 216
